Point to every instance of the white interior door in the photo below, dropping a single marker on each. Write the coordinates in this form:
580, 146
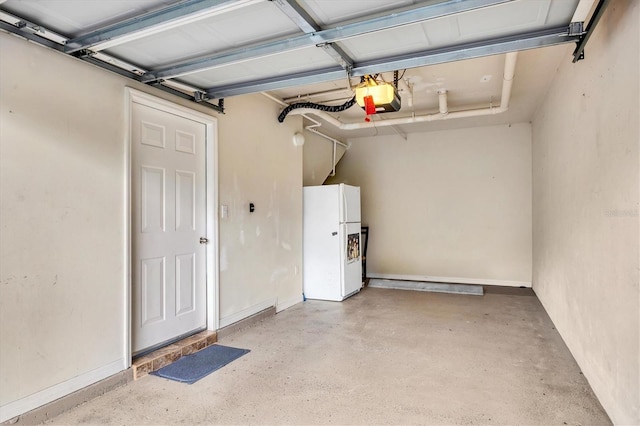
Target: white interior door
168, 189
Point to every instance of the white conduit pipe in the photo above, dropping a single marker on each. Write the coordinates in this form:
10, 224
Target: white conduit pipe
274, 99
317, 95
309, 128
335, 142
442, 101
329, 138
406, 92
312, 129
507, 82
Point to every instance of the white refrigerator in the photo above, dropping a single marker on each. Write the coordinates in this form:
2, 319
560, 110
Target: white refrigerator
332, 263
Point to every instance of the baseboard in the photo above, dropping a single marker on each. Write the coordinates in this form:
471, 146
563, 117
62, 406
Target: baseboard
63, 396
251, 310
451, 280
246, 322
287, 303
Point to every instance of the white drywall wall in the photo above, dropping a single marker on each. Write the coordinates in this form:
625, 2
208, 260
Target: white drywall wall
62, 219
453, 205
260, 252
585, 221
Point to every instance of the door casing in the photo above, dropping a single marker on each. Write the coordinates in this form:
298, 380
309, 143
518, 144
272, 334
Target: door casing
212, 268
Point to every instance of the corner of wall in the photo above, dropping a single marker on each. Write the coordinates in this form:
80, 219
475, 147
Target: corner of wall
260, 251
586, 227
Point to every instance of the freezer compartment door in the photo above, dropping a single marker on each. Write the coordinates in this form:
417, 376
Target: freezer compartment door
349, 203
351, 240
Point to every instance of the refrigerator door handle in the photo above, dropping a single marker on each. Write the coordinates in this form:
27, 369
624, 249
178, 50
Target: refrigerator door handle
345, 204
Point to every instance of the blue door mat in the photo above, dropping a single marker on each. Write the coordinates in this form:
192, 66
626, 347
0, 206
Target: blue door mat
191, 368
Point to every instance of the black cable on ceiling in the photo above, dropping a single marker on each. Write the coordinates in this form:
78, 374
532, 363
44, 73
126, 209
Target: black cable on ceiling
326, 108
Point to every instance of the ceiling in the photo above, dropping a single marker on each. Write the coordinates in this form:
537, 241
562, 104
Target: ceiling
207, 50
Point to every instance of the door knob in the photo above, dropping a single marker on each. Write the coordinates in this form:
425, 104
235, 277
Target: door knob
204, 240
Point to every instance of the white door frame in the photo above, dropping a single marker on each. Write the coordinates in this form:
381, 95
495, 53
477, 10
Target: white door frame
211, 143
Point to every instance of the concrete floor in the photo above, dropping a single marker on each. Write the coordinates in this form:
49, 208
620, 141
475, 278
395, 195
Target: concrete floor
381, 357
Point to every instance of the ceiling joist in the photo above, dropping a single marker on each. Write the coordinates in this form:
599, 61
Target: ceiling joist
275, 83
395, 20
531, 40
38, 34
428, 57
305, 22
93, 46
178, 14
